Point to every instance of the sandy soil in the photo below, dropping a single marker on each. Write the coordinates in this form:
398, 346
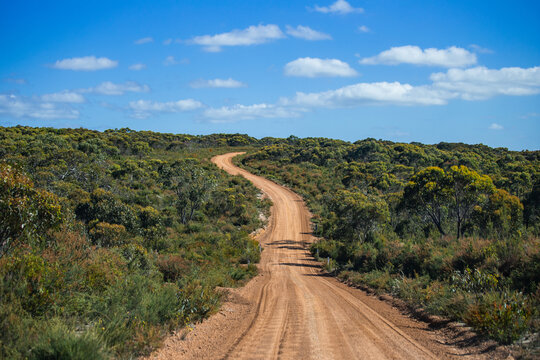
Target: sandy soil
293, 311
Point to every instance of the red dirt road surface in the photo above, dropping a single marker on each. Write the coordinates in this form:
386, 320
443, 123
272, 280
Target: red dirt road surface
291, 310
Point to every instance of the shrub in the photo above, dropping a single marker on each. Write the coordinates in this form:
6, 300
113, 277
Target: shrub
172, 266
58, 342
105, 234
32, 280
502, 316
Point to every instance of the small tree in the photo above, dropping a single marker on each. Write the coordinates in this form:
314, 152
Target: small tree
192, 186
26, 213
468, 189
428, 193
357, 215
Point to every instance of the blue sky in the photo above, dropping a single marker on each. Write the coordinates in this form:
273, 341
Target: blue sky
427, 71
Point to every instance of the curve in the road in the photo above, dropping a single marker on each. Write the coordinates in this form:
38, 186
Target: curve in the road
300, 313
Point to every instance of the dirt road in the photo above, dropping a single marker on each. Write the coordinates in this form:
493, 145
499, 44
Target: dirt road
292, 311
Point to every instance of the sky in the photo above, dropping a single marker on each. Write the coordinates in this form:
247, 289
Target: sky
425, 71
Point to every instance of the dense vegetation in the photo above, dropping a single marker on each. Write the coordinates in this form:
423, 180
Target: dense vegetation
452, 228
110, 239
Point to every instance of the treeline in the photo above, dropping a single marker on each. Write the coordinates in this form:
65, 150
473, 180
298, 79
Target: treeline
108, 240
452, 228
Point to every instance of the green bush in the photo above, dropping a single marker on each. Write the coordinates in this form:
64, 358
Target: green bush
59, 342
503, 316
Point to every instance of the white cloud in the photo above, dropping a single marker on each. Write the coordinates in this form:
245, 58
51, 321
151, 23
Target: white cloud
167, 41
364, 29
170, 60
370, 94
307, 33
110, 88
137, 67
249, 112
477, 83
339, 7
217, 83
450, 57
144, 40
86, 63
23, 107
496, 126
482, 83
471, 84
481, 50
144, 108
63, 97
253, 35
314, 67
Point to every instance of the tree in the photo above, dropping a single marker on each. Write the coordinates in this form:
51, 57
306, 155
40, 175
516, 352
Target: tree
468, 189
428, 193
502, 213
192, 186
26, 213
357, 215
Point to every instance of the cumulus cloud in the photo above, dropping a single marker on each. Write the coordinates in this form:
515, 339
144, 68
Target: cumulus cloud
137, 67
249, 112
477, 83
144, 40
471, 84
217, 83
307, 33
252, 35
35, 108
86, 63
110, 88
482, 83
450, 57
315, 67
144, 108
370, 94
364, 29
63, 97
341, 7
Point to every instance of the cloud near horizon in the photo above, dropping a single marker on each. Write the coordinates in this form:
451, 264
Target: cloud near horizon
85, 63
142, 109
36, 108
314, 67
253, 35
409, 54
65, 96
480, 83
248, 112
472, 84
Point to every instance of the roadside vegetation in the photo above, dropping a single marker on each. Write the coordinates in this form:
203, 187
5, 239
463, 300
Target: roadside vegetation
109, 240
451, 228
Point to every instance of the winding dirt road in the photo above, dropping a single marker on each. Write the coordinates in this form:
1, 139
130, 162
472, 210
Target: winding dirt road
292, 311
